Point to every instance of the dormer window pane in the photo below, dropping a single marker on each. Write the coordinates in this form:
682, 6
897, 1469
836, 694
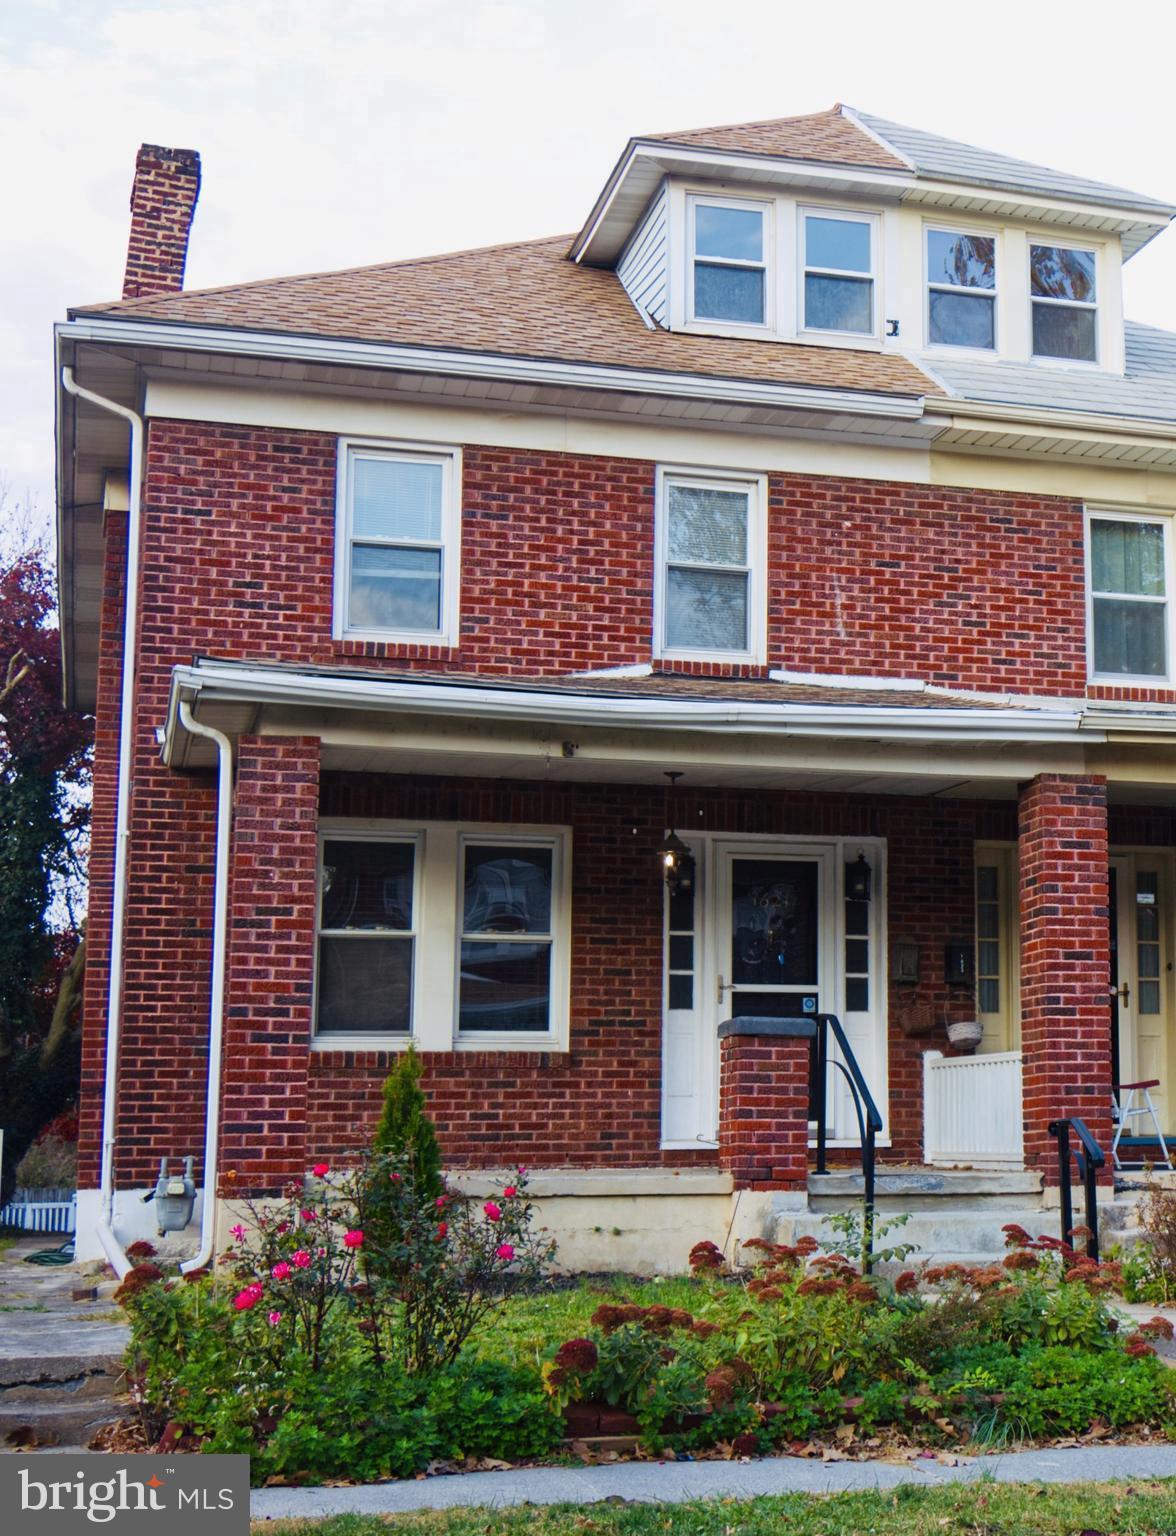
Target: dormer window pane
729, 265
961, 297
733, 234
838, 273
1065, 302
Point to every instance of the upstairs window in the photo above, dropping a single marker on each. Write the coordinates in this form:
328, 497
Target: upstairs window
1129, 608
961, 289
1064, 298
838, 287
710, 567
397, 566
730, 262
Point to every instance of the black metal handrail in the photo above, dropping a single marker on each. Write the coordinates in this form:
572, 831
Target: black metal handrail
868, 1118
1090, 1159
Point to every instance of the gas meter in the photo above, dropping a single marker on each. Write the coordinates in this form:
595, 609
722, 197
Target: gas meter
175, 1195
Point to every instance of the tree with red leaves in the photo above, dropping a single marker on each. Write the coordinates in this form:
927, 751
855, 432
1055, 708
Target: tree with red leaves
44, 816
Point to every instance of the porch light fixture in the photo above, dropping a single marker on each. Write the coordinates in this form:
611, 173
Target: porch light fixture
676, 859
859, 880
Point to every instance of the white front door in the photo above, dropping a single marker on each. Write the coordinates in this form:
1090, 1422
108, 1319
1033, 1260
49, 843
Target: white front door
767, 933
1141, 978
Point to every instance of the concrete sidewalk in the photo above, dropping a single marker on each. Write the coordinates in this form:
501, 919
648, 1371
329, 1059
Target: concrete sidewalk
675, 1482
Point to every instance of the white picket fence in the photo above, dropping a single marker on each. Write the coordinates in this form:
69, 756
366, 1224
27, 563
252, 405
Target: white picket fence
972, 1110
40, 1215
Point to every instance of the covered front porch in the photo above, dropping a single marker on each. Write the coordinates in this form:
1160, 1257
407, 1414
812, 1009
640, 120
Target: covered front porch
905, 862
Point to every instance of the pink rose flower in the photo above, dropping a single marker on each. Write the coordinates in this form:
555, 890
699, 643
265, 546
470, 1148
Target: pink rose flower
493, 1212
509, 1192
522, 1172
442, 1229
320, 1170
395, 1177
505, 1252
301, 1259
238, 1232
248, 1298
283, 1228
307, 1216
441, 1200
274, 1319
281, 1271
353, 1239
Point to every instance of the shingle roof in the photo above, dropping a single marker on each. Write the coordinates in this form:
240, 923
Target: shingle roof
932, 155
525, 300
1146, 390
829, 136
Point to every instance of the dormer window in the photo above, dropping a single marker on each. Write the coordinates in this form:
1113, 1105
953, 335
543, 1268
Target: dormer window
838, 272
1064, 298
961, 289
729, 265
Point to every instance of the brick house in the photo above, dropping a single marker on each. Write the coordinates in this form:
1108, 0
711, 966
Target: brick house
813, 504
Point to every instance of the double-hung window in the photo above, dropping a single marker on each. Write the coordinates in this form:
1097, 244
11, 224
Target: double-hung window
839, 272
1130, 609
451, 936
710, 567
368, 906
729, 261
1064, 295
397, 560
961, 289
508, 935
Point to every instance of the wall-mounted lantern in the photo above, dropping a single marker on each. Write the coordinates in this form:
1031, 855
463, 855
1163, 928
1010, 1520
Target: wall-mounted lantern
859, 880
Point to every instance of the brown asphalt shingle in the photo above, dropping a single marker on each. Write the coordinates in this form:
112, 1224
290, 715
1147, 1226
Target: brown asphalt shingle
524, 300
825, 136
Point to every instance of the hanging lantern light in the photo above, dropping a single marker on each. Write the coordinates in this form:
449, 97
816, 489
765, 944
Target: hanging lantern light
674, 853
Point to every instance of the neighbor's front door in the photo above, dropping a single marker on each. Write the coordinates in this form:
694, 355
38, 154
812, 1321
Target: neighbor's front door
1141, 979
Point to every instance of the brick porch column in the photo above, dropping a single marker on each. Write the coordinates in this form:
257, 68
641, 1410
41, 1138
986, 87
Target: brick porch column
272, 894
1065, 961
764, 1102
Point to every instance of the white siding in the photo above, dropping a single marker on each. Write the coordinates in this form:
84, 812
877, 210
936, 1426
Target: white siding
645, 263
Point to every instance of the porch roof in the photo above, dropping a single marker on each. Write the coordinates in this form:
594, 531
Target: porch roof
848, 735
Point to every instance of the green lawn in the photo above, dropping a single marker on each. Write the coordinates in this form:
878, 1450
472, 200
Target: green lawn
526, 1329
984, 1509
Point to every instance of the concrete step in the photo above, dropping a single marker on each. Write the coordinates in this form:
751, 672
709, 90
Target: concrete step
945, 1236
929, 1189
56, 1423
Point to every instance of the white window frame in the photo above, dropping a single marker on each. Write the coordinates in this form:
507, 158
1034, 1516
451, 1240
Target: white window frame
449, 458
766, 211
1002, 1029
873, 276
560, 938
1088, 247
756, 486
1131, 679
349, 832
437, 909
939, 227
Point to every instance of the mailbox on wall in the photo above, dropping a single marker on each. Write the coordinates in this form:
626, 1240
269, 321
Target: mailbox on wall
959, 964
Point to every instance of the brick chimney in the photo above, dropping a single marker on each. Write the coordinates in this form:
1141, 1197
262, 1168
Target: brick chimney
163, 200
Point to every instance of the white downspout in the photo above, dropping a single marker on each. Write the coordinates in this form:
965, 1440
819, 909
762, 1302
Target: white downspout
216, 1008
105, 1228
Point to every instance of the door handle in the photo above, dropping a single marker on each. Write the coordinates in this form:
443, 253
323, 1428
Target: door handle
723, 986
1123, 993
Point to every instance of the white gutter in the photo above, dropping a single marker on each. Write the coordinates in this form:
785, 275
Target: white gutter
216, 1007
213, 682
486, 365
105, 1226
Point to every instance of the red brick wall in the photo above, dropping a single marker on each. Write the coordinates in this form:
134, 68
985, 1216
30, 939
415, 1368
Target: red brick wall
764, 1111
1065, 960
968, 589
238, 561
